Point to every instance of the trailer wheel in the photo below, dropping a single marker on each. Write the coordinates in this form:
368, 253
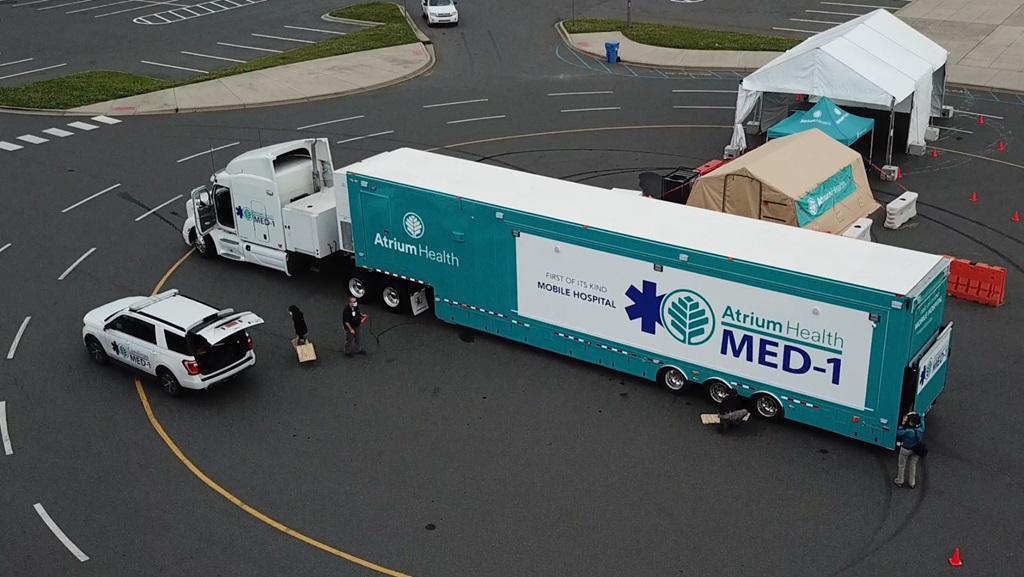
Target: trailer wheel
717, 390
673, 379
358, 285
393, 295
768, 407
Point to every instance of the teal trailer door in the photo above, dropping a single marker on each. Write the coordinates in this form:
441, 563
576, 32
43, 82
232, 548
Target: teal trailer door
930, 371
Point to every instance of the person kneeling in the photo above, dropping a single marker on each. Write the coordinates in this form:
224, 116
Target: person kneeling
731, 412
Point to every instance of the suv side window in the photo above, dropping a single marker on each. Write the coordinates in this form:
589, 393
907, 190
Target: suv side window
137, 328
176, 343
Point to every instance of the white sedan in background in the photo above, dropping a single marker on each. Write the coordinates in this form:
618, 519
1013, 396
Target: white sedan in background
440, 12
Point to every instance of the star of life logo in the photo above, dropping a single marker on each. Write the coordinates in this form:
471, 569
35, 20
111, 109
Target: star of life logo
685, 314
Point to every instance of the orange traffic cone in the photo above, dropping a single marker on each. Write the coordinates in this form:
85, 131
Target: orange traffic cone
981, 120
974, 197
1001, 146
955, 559
1016, 217
899, 173
935, 153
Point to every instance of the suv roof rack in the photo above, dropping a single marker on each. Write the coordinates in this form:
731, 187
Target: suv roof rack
153, 300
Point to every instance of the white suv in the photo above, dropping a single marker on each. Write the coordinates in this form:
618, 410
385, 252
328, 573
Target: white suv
440, 12
185, 343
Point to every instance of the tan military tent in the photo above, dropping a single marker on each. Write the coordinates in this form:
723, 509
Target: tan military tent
806, 179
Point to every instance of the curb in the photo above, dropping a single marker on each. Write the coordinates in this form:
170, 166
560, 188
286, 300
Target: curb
567, 39
427, 66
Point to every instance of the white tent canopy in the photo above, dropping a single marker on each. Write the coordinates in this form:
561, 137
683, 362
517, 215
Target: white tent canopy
875, 61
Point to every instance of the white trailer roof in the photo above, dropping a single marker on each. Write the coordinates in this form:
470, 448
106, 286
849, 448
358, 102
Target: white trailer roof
856, 262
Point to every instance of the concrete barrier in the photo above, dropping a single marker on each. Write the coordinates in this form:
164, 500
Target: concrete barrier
899, 211
860, 230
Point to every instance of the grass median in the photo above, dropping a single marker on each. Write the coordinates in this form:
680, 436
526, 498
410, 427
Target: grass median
99, 86
682, 37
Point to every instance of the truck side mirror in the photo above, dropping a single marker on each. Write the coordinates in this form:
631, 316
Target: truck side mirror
204, 198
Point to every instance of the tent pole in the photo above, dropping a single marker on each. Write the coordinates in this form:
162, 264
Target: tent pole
892, 129
871, 149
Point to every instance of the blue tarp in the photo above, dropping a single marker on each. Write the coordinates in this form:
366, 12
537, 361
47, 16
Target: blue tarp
828, 118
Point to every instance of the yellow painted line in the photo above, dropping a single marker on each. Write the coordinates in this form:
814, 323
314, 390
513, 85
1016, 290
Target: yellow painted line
573, 131
238, 502
980, 157
224, 492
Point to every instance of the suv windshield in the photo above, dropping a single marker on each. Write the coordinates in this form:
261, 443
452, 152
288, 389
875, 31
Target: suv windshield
439, 2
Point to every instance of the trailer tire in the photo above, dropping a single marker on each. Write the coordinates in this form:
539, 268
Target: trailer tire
394, 294
717, 389
359, 286
673, 379
768, 407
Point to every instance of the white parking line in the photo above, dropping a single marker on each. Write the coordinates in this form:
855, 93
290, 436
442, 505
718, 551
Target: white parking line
100, 6
316, 30
330, 122
82, 126
475, 119
455, 103
832, 13
144, 6
58, 132
857, 5
147, 213
580, 93
33, 71
76, 263
4, 145
16, 62
707, 91
964, 113
5, 247
3, 429
172, 66
17, 338
212, 150
51, 7
797, 30
366, 136
31, 3
707, 107
250, 47
282, 38
813, 21
214, 57
60, 534
591, 109
32, 139
81, 202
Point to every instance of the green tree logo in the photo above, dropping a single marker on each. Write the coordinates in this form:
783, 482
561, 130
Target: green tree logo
413, 225
688, 317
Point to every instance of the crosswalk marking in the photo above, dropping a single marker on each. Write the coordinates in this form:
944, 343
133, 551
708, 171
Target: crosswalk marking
106, 120
82, 125
4, 145
58, 132
32, 139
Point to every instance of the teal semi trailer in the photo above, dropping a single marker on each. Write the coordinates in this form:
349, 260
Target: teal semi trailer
840, 334
836, 333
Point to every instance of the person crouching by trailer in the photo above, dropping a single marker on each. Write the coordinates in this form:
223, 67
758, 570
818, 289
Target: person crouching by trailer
301, 330
731, 413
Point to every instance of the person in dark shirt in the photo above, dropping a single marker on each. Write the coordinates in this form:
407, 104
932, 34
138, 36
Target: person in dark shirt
301, 330
353, 319
731, 413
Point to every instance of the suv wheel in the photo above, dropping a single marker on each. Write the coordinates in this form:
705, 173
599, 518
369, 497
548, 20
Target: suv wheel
169, 382
96, 352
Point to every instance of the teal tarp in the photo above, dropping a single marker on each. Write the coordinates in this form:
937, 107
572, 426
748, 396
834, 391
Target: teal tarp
828, 118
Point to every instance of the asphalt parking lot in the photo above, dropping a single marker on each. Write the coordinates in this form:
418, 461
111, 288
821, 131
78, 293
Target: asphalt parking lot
168, 40
437, 456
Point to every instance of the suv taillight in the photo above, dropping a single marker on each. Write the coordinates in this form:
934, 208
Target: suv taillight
191, 367
250, 343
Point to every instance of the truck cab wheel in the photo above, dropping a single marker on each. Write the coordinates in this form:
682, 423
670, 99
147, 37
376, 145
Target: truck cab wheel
768, 407
204, 245
673, 379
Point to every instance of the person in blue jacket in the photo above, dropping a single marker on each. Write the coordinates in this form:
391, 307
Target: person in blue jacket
908, 437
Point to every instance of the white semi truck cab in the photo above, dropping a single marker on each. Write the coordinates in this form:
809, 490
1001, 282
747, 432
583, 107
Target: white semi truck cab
284, 207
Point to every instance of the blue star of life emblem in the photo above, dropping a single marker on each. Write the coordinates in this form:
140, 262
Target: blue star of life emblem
239, 212
646, 306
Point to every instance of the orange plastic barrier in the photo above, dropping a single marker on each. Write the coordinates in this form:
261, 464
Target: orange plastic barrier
708, 167
976, 282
